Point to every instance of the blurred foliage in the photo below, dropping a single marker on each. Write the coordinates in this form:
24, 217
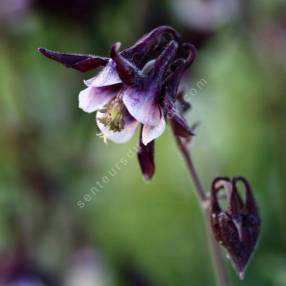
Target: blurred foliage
50, 156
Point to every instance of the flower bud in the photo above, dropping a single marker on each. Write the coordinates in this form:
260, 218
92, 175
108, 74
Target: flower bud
237, 227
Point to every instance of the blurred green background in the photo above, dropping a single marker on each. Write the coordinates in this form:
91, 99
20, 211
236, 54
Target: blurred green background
56, 228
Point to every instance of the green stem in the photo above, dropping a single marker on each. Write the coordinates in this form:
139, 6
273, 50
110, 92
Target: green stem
218, 261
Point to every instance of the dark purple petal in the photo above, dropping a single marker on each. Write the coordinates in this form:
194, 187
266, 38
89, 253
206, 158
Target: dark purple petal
174, 79
250, 219
180, 125
235, 204
231, 240
178, 122
142, 47
215, 208
184, 105
250, 205
146, 158
126, 70
80, 62
163, 61
170, 94
191, 52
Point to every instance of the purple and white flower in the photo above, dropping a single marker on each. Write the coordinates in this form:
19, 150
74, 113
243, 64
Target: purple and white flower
138, 86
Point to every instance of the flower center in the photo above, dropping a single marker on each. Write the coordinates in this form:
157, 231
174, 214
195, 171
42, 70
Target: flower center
113, 117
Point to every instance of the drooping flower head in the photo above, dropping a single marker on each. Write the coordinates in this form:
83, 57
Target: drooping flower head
237, 227
137, 86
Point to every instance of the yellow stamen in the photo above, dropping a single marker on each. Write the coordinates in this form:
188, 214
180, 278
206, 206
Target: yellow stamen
113, 115
103, 136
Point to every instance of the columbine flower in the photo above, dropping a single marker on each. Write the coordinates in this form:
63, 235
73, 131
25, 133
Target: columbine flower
237, 227
138, 86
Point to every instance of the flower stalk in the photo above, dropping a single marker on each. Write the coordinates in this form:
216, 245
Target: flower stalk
217, 258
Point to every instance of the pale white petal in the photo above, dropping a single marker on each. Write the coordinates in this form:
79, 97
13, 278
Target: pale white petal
94, 98
141, 105
149, 133
117, 137
107, 76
